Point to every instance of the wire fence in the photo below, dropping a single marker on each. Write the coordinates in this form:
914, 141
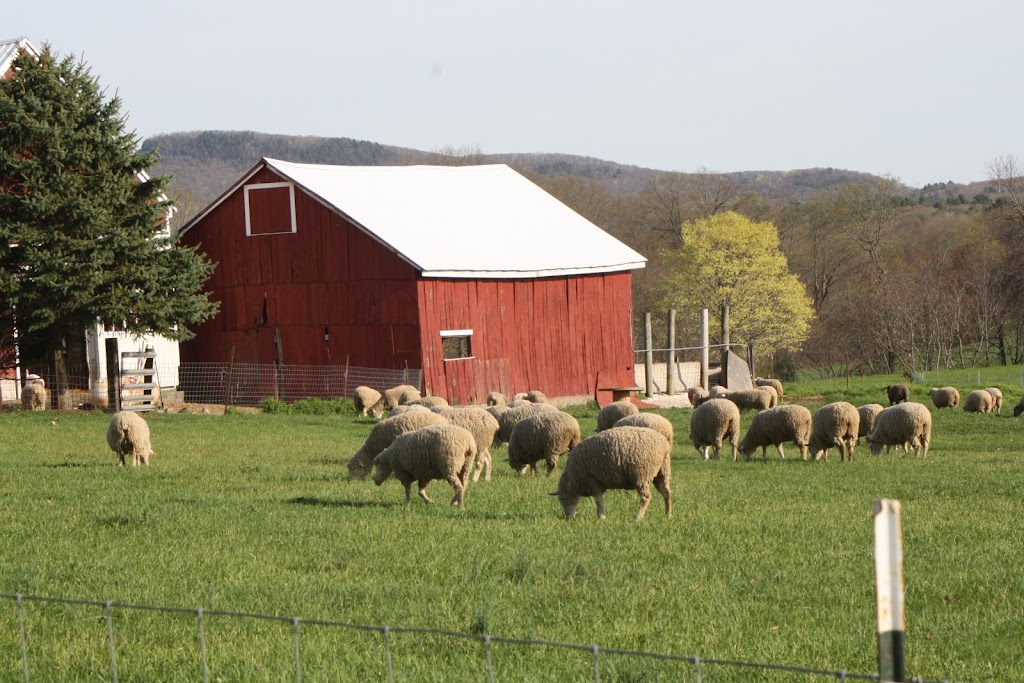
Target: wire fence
390, 637
234, 384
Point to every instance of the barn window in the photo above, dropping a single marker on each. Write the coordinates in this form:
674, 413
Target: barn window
269, 208
455, 344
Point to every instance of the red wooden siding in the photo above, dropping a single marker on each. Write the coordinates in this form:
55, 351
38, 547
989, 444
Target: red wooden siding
553, 334
327, 275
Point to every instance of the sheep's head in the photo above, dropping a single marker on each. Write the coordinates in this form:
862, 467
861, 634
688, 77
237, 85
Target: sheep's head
382, 463
569, 502
378, 408
356, 468
145, 456
875, 444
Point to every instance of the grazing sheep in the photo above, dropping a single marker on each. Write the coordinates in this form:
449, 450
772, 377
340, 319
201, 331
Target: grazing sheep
363, 398
750, 399
771, 390
395, 396
386, 431
34, 397
711, 423
868, 413
997, 397
128, 434
406, 408
979, 401
945, 397
906, 423
773, 383
651, 421
521, 396
536, 397
718, 391
1019, 408
508, 419
775, 426
835, 424
897, 393
697, 395
496, 398
483, 426
613, 412
544, 436
428, 402
497, 409
620, 458
441, 451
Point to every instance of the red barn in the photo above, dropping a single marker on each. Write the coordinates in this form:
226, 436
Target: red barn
473, 274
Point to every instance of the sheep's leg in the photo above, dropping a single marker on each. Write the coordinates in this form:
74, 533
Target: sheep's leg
599, 499
804, 449
782, 455
423, 490
645, 499
487, 464
552, 463
408, 491
661, 484
460, 491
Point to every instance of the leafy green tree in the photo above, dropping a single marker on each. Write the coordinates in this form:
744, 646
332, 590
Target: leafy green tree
729, 259
83, 231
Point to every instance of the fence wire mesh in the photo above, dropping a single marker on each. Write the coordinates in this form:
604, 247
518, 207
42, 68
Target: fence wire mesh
296, 639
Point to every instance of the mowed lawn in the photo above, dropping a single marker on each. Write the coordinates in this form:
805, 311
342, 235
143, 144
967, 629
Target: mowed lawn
763, 561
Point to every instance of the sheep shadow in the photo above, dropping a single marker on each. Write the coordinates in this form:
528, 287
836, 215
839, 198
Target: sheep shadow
324, 502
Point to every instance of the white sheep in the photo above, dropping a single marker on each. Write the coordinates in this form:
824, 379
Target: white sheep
770, 382
508, 419
128, 434
613, 412
750, 399
536, 396
34, 397
482, 425
771, 390
902, 424
406, 408
835, 424
620, 458
521, 396
395, 396
442, 451
868, 412
945, 397
697, 395
651, 421
979, 401
384, 433
544, 436
363, 398
715, 420
997, 397
496, 398
718, 391
428, 402
775, 426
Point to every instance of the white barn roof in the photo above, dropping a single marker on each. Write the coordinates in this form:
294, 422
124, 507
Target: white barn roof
464, 221
9, 50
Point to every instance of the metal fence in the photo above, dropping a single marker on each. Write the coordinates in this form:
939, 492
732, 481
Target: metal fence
241, 384
237, 384
390, 638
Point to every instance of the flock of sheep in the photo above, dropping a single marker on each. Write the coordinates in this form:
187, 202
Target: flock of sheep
423, 439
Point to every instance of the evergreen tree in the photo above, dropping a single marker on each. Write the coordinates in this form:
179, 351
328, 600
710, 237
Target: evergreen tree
83, 230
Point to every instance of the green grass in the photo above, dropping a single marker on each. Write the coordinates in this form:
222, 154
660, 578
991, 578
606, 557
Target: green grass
763, 561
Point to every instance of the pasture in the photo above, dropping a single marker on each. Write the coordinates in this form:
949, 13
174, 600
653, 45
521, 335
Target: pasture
763, 561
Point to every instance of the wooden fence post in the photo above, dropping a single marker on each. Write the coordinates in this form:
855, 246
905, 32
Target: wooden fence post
889, 590
648, 356
670, 365
705, 351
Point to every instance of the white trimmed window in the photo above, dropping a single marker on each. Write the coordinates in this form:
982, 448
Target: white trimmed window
269, 209
456, 344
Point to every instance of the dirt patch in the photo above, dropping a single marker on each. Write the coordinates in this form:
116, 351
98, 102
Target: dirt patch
206, 408
803, 399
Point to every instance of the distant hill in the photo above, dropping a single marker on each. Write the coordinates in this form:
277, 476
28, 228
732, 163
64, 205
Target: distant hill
205, 163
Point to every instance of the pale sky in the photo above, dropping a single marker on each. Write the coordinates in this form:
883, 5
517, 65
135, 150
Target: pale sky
921, 91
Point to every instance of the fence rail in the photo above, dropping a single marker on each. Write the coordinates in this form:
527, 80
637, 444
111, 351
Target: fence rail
697, 665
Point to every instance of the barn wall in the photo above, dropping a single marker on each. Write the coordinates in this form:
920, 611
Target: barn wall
562, 336
328, 276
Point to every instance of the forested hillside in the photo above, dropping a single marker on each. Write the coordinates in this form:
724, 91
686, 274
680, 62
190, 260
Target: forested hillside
900, 279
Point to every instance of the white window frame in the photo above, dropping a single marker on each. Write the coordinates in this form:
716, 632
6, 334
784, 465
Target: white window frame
268, 186
456, 333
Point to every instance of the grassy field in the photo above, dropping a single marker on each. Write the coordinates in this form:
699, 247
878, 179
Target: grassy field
763, 561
